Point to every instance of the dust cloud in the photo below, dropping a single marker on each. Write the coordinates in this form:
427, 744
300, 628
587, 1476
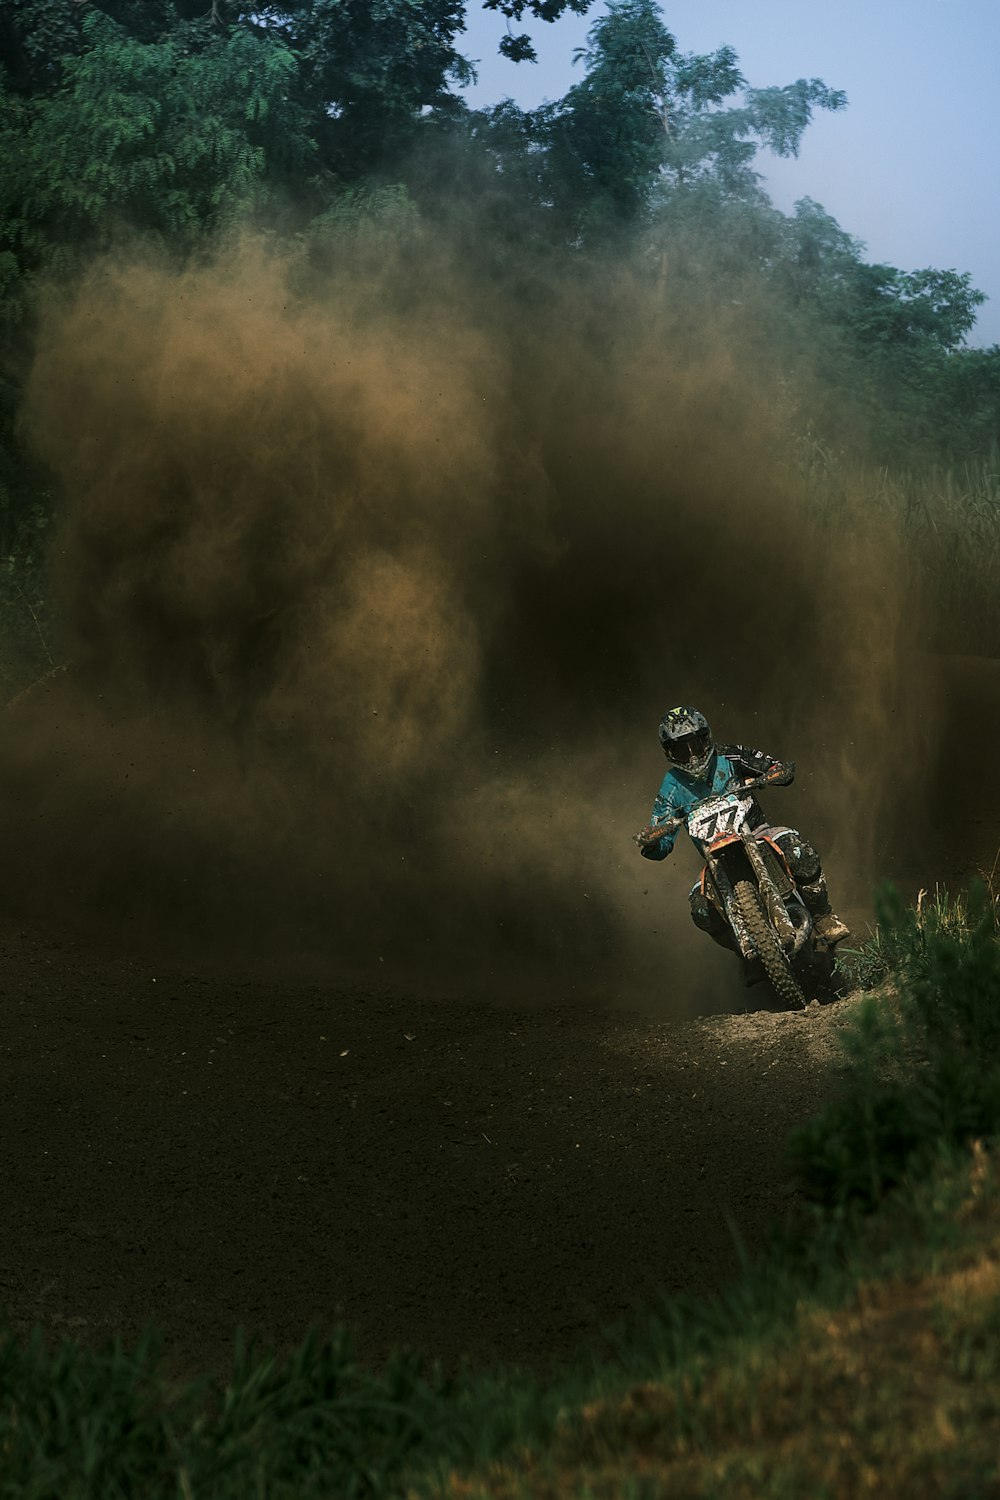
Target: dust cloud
376, 584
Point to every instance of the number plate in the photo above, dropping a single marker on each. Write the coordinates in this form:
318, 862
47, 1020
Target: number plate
718, 816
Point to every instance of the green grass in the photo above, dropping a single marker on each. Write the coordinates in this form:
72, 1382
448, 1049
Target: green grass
898, 943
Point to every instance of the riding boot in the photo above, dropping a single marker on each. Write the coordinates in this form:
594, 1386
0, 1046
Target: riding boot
826, 924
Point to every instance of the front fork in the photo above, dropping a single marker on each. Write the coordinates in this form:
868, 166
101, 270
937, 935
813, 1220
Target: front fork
772, 892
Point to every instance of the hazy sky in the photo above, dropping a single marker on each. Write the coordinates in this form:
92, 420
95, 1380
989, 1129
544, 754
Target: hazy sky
911, 167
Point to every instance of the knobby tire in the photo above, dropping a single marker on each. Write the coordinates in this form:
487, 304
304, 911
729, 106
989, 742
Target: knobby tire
769, 950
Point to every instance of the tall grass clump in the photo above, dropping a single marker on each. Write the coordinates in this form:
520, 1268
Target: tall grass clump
922, 1063
103, 1424
951, 519
947, 521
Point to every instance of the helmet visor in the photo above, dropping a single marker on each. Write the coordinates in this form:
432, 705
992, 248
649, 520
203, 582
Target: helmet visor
689, 749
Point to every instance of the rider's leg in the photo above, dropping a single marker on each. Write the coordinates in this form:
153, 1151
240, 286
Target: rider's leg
707, 919
804, 863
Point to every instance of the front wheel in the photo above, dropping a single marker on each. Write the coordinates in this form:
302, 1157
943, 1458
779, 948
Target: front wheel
769, 950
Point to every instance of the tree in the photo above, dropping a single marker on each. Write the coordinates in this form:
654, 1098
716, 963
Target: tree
648, 121
171, 118
160, 137
373, 75
889, 341
971, 405
518, 47
605, 139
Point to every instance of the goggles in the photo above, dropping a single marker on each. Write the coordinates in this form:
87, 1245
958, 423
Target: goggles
690, 749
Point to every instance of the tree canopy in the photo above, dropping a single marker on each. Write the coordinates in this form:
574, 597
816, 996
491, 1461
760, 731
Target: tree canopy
171, 119
648, 118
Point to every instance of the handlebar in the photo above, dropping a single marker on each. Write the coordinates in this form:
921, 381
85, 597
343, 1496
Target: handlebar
653, 834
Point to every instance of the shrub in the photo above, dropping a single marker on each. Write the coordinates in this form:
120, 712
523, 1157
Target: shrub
921, 1073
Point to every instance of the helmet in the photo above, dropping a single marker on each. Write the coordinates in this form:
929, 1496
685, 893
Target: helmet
687, 740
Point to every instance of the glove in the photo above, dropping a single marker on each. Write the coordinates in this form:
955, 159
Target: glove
654, 833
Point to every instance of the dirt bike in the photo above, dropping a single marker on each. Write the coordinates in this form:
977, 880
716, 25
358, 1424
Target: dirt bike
748, 882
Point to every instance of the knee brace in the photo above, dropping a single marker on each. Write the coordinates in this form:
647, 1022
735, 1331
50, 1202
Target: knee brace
803, 859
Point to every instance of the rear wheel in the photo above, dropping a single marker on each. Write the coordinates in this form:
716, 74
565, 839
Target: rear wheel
769, 950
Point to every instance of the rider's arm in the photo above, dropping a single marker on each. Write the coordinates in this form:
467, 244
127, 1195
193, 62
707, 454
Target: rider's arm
754, 763
663, 810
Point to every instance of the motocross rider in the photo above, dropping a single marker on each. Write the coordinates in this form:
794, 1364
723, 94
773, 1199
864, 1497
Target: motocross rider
698, 768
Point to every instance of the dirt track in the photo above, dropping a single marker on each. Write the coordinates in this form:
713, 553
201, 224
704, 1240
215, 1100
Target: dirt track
466, 1179
205, 1149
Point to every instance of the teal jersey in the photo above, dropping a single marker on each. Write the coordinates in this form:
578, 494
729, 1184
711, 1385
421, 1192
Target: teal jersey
679, 791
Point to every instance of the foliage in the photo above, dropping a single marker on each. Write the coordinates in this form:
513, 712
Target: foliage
383, 214
707, 140
648, 120
893, 341
160, 138
896, 942
79, 1423
374, 77
884, 307
172, 118
970, 403
518, 48
924, 1075
371, 77
29, 635
605, 140
36, 36
102, 136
